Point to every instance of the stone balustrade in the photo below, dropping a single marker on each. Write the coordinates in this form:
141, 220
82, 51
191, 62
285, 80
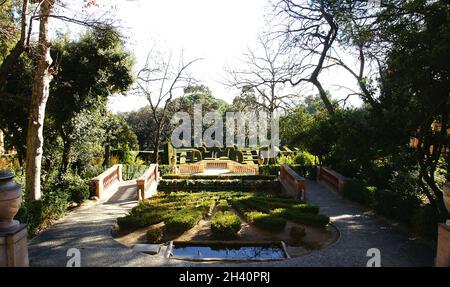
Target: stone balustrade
144, 182
332, 178
201, 166
107, 179
292, 183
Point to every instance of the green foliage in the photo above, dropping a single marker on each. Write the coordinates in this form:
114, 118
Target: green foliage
319, 220
268, 221
140, 219
219, 176
225, 224
396, 204
357, 190
218, 184
307, 171
182, 220
154, 235
130, 172
165, 169
222, 205
304, 158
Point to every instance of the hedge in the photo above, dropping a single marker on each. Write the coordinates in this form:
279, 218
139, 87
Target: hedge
154, 235
225, 224
269, 222
403, 206
307, 171
215, 184
219, 177
182, 221
357, 190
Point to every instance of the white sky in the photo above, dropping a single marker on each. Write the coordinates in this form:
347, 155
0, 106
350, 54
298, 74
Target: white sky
216, 30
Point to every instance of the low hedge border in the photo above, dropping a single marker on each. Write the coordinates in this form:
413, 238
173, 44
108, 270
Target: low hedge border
215, 184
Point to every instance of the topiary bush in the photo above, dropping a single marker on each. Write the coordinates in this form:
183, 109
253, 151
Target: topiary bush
154, 235
225, 224
182, 220
319, 220
270, 222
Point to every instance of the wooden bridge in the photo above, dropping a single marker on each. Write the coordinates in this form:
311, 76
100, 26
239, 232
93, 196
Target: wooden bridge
109, 185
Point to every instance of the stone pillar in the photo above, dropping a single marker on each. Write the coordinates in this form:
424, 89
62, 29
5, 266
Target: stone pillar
443, 248
13, 247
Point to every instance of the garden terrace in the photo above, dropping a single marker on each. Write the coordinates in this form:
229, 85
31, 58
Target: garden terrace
217, 167
226, 216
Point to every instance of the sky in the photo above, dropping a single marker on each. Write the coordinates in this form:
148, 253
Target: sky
217, 31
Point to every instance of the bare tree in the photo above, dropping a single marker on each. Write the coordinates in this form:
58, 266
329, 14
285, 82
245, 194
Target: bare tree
321, 31
309, 26
262, 75
159, 80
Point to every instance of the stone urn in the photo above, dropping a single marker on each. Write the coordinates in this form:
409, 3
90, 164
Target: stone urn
10, 199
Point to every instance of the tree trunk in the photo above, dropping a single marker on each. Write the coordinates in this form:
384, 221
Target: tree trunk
39, 96
65, 158
156, 147
107, 161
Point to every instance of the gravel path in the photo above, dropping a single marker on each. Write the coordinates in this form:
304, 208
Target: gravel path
88, 229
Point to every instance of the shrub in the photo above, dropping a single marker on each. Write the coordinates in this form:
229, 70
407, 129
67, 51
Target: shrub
219, 177
130, 222
154, 235
297, 233
183, 220
304, 158
225, 224
132, 171
79, 194
358, 191
165, 169
270, 222
222, 205
308, 171
279, 212
285, 159
308, 218
424, 221
140, 219
396, 204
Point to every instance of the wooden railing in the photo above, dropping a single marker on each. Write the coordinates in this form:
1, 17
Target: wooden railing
149, 177
294, 183
106, 179
331, 177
